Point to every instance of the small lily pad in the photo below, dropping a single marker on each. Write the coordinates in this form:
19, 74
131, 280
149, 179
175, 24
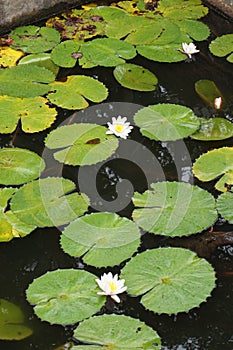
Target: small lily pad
114, 332
135, 77
223, 46
213, 129
64, 296
77, 145
48, 202
19, 165
33, 39
170, 209
213, 164
65, 54
34, 113
208, 91
166, 121
41, 60
9, 56
72, 93
104, 239
224, 206
170, 280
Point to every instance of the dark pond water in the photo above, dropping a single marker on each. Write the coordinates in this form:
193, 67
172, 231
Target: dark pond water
209, 327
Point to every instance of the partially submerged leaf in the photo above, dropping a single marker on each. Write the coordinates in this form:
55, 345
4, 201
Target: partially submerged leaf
34, 113
166, 121
225, 204
223, 46
135, 77
105, 239
72, 93
213, 129
41, 60
170, 209
170, 280
208, 91
64, 296
76, 148
48, 202
116, 332
9, 56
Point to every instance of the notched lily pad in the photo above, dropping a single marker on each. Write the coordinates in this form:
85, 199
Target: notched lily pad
170, 280
170, 209
66, 53
166, 122
81, 144
223, 46
103, 239
60, 296
76, 90
33, 39
135, 77
34, 113
103, 331
213, 129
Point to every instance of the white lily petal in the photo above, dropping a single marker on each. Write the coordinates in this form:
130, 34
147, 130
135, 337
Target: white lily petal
116, 298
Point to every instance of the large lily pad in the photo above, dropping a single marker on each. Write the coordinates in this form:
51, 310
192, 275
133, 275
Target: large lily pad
171, 209
34, 113
41, 60
25, 81
225, 204
192, 9
162, 53
72, 93
135, 77
213, 129
105, 52
12, 325
19, 165
82, 144
64, 296
116, 332
9, 56
48, 202
105, 239
33, 39
213, 164
170, 280
166, 121
196, 30
223, 46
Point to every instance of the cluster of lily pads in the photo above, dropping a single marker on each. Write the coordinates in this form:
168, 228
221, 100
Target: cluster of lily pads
167, 280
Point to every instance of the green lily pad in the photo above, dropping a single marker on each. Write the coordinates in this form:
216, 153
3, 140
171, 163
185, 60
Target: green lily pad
162, 53
41, 60
142, 30
223, 46
171, 209
82, 144
135, 77
64, 296
166, 121
214, 129
192, 9
72, 93
65, 54
104, 239
170, 280
34, 113
120, 27
106, 52
196, 30
208, 91
33, 39
213, 164
114, 332
48, 202
12, 322
25, 81
225, 204
19, 165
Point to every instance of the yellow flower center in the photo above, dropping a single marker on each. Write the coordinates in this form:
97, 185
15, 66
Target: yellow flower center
119, 127
112, 286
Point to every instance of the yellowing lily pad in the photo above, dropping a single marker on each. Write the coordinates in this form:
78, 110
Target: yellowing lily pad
9, 57
135, 77
73, 93
34, 113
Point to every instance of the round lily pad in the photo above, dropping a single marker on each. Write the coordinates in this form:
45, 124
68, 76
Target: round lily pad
171, 209
82, 144
214, 129
19, 165
214, 163
64, 296
170, 280
116, 332
223, 46
135, 77
166, 121
48, 202
66, 53
105, 239
224, 206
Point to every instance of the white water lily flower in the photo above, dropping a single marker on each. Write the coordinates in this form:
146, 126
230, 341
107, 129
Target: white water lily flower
110, 285
119, 127
218, 102
189, 49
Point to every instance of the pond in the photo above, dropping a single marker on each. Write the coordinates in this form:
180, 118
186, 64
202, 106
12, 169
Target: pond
114, 174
